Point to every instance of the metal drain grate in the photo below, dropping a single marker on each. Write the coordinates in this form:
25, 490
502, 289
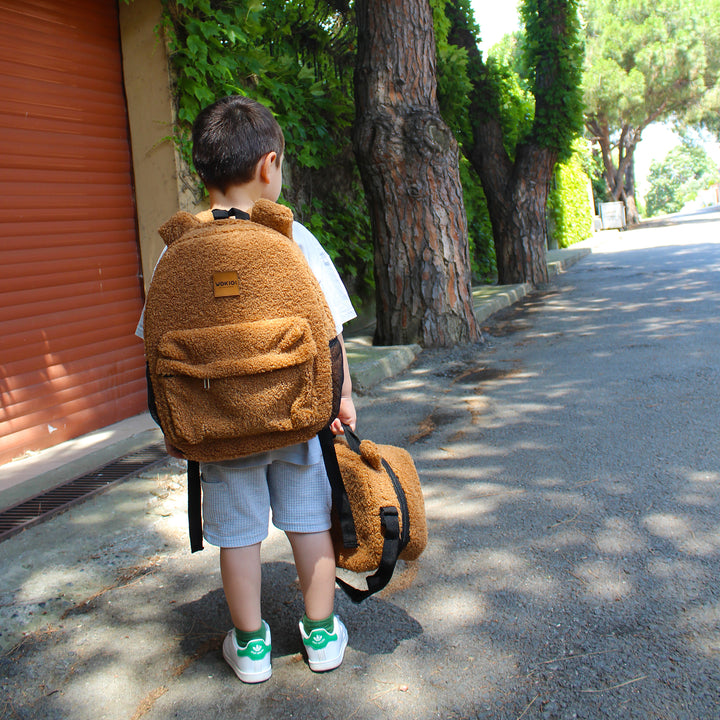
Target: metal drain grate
43, 506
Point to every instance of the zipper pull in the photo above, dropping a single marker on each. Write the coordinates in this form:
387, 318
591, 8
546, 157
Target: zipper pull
206, 383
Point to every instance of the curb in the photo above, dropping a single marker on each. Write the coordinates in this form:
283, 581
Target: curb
560, 260
488, 299
370, 365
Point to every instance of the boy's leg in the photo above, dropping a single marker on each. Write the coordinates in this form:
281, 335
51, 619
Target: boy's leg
315, 564
247, 646
242, 578
323, 634
301, 503
236, 503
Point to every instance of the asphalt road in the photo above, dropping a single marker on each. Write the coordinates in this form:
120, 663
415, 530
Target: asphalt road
570, 467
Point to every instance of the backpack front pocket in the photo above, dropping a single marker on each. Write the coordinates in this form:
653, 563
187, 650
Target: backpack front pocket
238, 380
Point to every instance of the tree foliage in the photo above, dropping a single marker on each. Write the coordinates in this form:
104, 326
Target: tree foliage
554, 54
516, 170
647, 61
676, 180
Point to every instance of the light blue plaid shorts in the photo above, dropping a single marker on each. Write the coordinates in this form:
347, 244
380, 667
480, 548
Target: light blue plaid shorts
237, 501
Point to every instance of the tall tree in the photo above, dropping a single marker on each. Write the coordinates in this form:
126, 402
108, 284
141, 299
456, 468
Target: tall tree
516, 180
686, 171
646, 61
408, 160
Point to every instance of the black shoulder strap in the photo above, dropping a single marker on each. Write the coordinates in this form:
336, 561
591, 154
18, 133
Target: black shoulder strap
152, 405
194, 506
232, 212
393, 542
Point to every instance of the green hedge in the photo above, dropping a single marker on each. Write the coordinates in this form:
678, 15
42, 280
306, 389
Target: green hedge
570, 211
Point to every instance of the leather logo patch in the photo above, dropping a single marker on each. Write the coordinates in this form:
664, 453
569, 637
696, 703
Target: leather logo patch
226, 284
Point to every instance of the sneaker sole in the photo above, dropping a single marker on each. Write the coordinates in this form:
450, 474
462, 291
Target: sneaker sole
249, 678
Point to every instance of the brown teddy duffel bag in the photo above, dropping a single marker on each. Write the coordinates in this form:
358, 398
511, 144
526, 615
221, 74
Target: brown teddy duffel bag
378, 508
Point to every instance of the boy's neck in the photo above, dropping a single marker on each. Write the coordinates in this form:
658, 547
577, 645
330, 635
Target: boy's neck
241, 197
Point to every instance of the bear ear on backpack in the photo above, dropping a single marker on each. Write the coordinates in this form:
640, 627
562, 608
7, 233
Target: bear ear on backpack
272, 215
177, 226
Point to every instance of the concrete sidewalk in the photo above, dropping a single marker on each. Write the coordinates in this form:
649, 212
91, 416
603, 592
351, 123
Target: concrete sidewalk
369, 365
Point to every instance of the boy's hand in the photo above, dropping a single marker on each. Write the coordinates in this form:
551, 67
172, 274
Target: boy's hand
172, 451
346, 415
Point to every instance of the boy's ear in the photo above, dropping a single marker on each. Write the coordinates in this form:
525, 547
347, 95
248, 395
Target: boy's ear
265, 164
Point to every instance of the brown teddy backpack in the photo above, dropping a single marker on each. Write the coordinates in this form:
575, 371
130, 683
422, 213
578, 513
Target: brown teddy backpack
239, 341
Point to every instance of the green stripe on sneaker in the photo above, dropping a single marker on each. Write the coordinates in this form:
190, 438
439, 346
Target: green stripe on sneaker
255, 650
320, 639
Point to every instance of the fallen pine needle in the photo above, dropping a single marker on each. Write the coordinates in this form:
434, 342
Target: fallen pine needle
380, 694
583, 484
400, 688
530, 704
615, 687
562, 522
575, 657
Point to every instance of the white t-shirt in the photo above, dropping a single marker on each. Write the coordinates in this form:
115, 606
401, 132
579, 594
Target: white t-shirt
306, 453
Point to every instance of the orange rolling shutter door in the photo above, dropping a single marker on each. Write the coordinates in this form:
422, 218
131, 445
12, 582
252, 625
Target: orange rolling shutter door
70, 292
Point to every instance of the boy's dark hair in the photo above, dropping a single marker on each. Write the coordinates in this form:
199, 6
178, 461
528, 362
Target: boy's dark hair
229, 139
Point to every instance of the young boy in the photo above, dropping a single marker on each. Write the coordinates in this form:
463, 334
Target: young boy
237, 150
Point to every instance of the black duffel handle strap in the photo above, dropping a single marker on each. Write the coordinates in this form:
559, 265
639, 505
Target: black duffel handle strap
340, 501
393, 543
352, 439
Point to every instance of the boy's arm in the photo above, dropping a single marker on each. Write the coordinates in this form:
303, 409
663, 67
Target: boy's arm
346, 414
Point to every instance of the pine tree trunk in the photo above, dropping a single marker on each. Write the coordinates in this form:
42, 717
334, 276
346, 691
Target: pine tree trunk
517, 199
620, 180
408, 160
631, 212
521, 244
516, 191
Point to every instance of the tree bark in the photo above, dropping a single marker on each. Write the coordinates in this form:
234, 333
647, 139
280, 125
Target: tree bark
516, 195
408, 161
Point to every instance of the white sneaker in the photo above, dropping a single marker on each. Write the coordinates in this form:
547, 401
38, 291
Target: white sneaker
251, 662
325, 650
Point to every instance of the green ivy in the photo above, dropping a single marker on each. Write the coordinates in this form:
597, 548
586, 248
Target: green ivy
555, 56
454, 89
480, 236
259, 50
296, 58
